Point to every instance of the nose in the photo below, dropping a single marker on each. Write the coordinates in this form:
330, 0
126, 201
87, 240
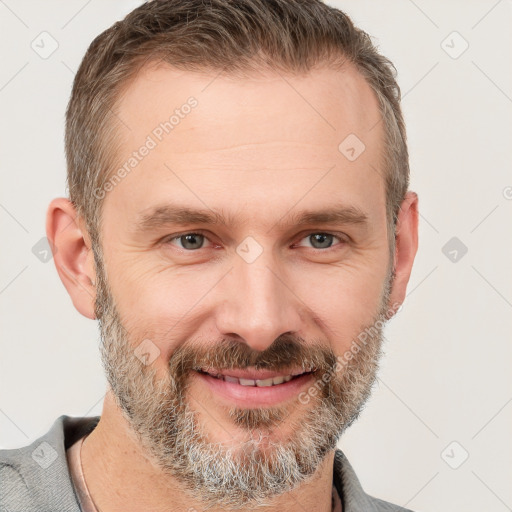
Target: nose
257, 304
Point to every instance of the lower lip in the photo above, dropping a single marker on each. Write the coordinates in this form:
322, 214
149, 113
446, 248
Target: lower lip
254, 396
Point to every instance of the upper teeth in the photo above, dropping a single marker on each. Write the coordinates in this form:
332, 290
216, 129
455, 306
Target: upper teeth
256, 382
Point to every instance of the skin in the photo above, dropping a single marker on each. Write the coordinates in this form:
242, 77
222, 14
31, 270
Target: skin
257, 150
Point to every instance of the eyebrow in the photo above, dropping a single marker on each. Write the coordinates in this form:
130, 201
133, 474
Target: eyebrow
166, 215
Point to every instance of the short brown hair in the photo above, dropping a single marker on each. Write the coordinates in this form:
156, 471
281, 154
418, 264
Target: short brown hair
230, 35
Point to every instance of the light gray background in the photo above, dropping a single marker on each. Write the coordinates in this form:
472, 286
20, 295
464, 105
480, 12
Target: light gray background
446, 374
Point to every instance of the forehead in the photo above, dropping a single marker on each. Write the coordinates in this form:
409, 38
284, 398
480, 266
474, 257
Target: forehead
268, 138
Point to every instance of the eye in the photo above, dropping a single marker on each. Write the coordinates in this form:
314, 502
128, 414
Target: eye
189, 241
322, 240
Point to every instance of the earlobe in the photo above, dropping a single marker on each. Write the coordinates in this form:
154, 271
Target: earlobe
406, 246
73, 255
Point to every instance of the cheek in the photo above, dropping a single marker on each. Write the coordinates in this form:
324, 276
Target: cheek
344, 301
162, 305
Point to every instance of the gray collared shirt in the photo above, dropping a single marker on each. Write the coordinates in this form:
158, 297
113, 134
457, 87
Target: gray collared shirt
36, 478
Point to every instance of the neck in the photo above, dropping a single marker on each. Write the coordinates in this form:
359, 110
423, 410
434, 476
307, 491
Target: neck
120, 476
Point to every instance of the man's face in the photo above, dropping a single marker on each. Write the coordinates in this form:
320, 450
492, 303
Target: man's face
255, 291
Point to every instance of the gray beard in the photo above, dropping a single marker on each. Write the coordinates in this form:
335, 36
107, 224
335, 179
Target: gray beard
246, 473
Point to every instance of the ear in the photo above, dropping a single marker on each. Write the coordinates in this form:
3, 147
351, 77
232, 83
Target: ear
72, 254
406, 245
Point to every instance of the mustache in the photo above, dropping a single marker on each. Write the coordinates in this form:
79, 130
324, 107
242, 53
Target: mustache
286, 352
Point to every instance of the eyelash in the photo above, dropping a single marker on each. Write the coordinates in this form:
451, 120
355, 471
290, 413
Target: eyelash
342, 238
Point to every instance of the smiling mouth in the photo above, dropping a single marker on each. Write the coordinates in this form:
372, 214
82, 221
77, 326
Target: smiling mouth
247, 378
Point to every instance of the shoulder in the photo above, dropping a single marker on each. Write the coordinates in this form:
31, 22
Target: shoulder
385, 506
355, 498
36, 476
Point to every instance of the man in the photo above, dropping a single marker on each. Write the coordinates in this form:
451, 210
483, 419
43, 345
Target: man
240, 224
